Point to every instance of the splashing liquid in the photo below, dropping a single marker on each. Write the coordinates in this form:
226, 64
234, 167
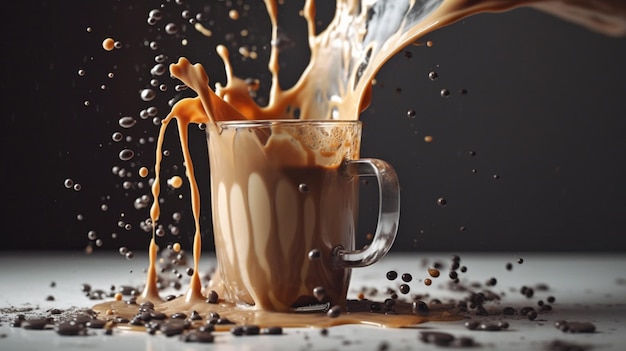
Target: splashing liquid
336, 84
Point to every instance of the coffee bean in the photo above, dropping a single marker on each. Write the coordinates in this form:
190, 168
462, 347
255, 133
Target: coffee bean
508, 311
503, 325
251, 330
213, 297
170, 297
559, 345
420, 308
334, 312
437, 338
324, 332
237, 331
158, 315
472, 325
85, 288
173, 327
207, 328
36, 324
121, 320
463, 269
465, 341
178, 315
404, 288
489, 327
509, 266
453, 275
195, 316
96, 323
525, 310
575, 327
69, 329
427, 282
532, 315
492, 282
551, 299
198, 336
224, 321
392, 275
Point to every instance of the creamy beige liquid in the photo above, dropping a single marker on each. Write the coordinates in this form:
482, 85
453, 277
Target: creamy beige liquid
335, 85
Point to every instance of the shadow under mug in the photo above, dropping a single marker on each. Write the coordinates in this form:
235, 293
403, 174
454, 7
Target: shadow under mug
285, 206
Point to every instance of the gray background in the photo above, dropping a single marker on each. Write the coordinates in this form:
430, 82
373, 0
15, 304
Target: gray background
544, 111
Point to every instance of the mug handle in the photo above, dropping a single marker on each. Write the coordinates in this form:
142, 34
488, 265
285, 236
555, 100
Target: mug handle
388, 213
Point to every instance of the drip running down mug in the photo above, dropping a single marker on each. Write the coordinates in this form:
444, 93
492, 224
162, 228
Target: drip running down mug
285, 205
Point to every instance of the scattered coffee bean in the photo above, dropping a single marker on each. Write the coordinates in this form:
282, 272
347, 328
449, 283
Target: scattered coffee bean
173, 327
85, 288
178, 315
559, 345
489, 327
508, 311
198, 336
96, 324
213, 297
251, 330
427, 282
207, 328
404, 288
532, 315
525, 310
324, 332
491, 282
463, 269
334, 312
195, 316
551, 299
575, 327
437, 338
472, 325
392, 275
509, 266
49, 298
503, 325
420, 308
453, 275
70, 329
520, 260
36, 324
224, 321
237, 331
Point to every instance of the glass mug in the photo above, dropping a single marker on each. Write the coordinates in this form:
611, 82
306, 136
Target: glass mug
285, 206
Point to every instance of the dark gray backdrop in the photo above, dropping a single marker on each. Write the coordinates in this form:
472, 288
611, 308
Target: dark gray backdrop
544, 113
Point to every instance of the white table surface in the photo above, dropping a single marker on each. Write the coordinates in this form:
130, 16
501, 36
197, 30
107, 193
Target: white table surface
587, 287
